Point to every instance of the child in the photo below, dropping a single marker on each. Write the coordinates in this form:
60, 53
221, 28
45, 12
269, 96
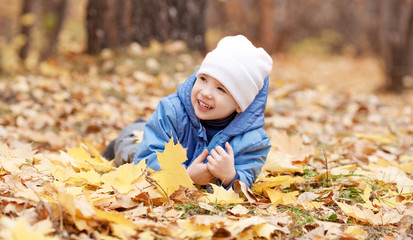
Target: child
217, 114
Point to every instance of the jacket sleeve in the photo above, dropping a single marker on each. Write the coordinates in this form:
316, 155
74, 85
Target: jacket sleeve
158, 130
249, 161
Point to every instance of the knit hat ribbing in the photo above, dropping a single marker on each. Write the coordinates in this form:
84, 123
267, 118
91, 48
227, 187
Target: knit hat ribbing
239, 66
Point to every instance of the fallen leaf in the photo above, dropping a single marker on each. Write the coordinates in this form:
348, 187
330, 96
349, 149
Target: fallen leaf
245, 224
278, 162
278, 197
123, 178
306, 196
356, 232
383, 217
170, 161
193, 230
22, 231
12, 159
172, 213
377, 138
222, 196
284, 151
86, 161
123, 231
241, 186
394, 175
270, 182
266, 230
209, 220
239, 210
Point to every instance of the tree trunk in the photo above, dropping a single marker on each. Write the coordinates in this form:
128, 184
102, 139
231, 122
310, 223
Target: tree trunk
396, 36
94, 17
111, 22
189, 22
26, 28
285, 25
54, 16
123, 20
266, 25
105, 29
147, 19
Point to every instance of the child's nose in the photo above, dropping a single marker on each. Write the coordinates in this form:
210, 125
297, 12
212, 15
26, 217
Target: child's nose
207, 92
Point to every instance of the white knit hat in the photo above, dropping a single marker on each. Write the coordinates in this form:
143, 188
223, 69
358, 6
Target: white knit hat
239, 66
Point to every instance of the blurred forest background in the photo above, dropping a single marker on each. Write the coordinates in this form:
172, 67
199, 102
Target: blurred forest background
34, 31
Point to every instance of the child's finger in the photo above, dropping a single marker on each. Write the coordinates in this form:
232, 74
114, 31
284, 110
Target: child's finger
214, 153
230, 151
202, 156
211, 160
220, 151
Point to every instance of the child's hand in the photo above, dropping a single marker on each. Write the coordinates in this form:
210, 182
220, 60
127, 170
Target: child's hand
221, 164
198, 171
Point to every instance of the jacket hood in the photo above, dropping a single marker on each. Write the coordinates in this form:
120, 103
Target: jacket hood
250, 119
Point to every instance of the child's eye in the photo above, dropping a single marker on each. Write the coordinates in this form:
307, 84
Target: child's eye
202, 78
222, 90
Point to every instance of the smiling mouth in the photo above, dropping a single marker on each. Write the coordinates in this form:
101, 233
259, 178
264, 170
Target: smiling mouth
204, 105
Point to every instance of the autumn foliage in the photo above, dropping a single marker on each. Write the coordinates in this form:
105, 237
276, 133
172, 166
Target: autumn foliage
340, 166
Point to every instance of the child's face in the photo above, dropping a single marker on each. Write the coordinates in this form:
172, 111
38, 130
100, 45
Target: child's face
211, 100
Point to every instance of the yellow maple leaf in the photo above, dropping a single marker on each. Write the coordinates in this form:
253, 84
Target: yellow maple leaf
88, 177
89, 160
123, 231
62, 174
222, 196
114, 217
123, 178
284, 180
193, 230
278, 197
173, 173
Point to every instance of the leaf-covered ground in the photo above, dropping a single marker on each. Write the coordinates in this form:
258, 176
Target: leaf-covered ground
340, 167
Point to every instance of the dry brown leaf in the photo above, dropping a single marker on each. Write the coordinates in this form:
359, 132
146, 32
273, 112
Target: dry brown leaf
241, 186
239, 210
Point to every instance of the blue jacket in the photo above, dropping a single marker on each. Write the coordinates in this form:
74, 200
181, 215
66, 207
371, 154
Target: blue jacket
175, 117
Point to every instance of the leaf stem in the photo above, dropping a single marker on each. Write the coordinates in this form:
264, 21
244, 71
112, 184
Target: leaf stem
326, 163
